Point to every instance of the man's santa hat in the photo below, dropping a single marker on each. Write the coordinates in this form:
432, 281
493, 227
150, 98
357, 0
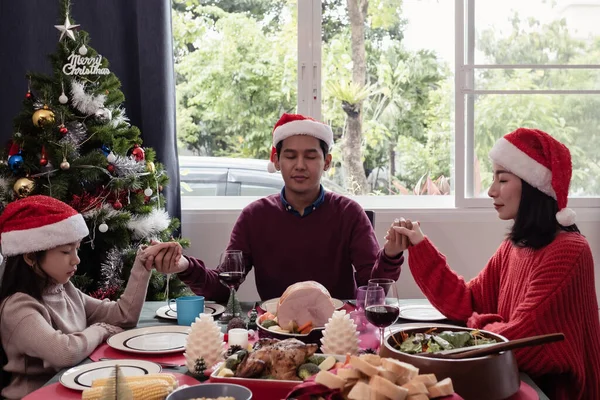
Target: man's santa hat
541, 161
296, 124
38, 223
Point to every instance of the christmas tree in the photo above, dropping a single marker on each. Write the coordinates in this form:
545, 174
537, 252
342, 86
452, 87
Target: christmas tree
73, 141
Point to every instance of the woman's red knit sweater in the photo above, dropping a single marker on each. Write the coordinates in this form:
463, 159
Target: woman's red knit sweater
524, 292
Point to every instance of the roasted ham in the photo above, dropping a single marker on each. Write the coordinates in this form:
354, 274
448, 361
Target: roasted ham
304, 302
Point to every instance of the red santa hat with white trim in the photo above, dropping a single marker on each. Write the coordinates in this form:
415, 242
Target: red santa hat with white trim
297, 124
540, 160
38, 223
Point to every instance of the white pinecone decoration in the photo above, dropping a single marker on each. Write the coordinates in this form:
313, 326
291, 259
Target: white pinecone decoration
340, 335
205, 342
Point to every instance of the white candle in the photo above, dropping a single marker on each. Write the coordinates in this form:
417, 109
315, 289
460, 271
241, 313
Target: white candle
238, 337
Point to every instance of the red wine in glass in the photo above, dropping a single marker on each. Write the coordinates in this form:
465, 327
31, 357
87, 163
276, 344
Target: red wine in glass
382, 316
231, 279
381, 304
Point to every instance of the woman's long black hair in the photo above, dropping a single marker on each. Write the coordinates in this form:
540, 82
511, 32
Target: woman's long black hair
535, 225
20, 277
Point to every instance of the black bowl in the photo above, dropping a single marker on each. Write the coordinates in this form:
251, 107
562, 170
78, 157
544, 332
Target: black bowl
492, 377
212, 390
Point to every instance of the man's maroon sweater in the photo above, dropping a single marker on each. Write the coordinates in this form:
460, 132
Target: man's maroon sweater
284, 248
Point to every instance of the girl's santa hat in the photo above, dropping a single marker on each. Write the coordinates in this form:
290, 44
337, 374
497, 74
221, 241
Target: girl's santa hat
541, 161
38, 223
296, 124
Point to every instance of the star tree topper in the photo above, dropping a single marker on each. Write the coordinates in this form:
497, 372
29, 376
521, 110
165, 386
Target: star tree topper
66, 29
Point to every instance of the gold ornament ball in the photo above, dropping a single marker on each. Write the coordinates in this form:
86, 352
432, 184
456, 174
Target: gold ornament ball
23, 187
151, 167
43, 118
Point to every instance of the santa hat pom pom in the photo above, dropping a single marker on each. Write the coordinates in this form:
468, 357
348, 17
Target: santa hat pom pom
271, 167
566, 217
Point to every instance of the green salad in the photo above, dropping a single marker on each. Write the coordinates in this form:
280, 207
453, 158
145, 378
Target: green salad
432, 342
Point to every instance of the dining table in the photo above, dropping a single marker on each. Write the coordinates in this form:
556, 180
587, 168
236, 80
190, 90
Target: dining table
149, 318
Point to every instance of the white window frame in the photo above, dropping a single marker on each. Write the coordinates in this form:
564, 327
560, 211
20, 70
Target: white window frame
309, 58
309, 103
464, 109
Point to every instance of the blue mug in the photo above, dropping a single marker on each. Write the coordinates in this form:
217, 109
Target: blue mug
188, 308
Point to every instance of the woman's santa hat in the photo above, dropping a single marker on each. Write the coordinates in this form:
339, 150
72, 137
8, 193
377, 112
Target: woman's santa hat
38, 223
541, 161
296, 124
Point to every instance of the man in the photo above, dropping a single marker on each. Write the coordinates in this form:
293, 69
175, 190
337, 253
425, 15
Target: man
303, 233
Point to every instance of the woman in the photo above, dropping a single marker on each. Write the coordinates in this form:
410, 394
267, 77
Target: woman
540, 280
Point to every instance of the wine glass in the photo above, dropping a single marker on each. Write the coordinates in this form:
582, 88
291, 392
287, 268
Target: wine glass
231, 274
361, 292
381, 305
368, 332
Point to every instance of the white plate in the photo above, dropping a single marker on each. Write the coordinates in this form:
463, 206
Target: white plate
421, 312
161, 339
271, 305
81, 376
165, 312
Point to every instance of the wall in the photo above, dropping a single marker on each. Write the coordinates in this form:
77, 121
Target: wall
467, 237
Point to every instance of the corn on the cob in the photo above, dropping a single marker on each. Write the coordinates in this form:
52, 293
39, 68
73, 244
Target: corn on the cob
153, 389
169, 378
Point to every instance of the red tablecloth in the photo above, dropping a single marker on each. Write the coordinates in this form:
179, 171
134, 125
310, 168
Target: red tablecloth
58, 391
525, 392
105, 351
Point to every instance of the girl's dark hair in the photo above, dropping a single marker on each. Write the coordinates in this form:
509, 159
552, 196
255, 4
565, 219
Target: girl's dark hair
535, 225
20, 277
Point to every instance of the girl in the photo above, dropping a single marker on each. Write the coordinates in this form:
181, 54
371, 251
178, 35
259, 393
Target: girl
540, 280
46, 323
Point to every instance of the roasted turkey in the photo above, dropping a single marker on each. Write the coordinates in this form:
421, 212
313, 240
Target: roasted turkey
277, 359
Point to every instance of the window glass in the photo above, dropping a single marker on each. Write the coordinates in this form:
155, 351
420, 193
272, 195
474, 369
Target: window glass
554, 46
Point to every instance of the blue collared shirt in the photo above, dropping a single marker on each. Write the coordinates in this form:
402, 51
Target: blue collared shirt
320, 199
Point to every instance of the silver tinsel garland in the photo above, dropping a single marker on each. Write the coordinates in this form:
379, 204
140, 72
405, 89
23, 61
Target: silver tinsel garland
38, 104
125, 166
111, 267
75, 136
107, 211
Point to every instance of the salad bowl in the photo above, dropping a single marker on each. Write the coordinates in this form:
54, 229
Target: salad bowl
492, 377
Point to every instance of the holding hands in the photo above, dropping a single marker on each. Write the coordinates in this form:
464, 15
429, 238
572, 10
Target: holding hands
165, 257
409, 230
395, 243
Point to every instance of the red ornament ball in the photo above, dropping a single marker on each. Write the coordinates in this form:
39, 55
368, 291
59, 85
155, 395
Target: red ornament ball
28, 95
117, 205
43, 162
63, 130
110, 168
138, 153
